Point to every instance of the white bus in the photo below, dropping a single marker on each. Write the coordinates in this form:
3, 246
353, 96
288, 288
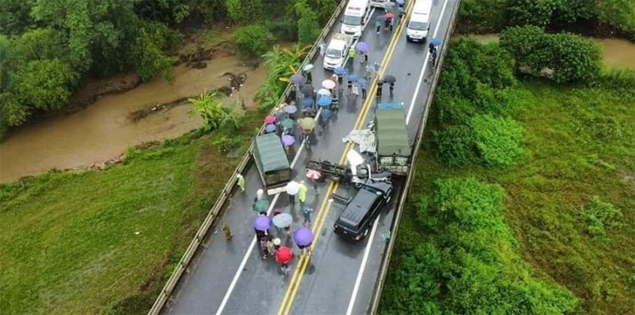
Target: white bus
356, 15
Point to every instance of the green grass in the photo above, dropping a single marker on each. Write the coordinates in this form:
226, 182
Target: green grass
104, 242
581, 143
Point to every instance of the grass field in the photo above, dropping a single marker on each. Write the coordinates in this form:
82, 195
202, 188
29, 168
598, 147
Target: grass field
581, 143
104, 242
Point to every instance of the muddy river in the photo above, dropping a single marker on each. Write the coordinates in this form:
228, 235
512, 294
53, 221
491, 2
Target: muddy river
103, 130
617, 52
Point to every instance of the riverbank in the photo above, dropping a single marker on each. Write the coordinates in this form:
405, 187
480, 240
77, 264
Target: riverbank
618, 53
104, 242
103, 130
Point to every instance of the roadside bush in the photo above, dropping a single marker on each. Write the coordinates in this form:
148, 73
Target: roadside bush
599, 215
498, 140
308, 24
211, 109
455, 146
619, 14
467, 261
244, 11
149, 57
252, 40
43, 84
531, 12
571, 58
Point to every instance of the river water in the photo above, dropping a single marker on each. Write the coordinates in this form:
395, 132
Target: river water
617, 52
103, 131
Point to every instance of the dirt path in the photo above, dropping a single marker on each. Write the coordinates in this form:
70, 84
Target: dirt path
103, 130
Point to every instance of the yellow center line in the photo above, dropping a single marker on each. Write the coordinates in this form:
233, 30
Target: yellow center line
303, 262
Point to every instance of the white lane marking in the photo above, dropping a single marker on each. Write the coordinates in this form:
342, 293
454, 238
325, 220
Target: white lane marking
423, 69
360, 273
253, 241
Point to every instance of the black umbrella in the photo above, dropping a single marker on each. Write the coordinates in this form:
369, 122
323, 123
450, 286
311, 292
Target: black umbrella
307, 89
390, 79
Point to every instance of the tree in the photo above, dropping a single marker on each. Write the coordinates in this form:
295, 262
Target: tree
252, 40
44, 84
148, 56
15, 16
244, 11
498, 140
531, 12
308, 24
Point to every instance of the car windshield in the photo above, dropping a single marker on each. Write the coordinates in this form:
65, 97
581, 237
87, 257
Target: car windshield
417, 26
333, 53
352, 20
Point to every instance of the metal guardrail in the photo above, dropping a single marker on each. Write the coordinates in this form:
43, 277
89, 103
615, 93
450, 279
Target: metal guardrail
167, 290
379, 285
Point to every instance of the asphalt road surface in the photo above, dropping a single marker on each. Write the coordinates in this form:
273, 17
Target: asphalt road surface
230, 277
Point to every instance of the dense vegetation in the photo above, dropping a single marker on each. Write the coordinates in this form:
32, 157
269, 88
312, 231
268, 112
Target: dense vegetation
48, 48
593, 17
104, 242
545, 230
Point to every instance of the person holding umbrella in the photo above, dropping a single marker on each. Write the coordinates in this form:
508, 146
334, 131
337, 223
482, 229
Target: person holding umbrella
390, 79
262, 223
292, 189
303, 237
284, 256
314, 176
282, 221
380, 86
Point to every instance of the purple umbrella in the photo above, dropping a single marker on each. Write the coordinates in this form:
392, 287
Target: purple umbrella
270, 128
297, 79
290, 109
303, 236
362, 47
288, 140
262, 223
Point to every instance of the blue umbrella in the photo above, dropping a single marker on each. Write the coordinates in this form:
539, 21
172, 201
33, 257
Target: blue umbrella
280, 116
353, 77
362, 83
325, 114
435, 41
401, 2
290, 109
362, 47
270, 128
339, 71
307, 102
324, 101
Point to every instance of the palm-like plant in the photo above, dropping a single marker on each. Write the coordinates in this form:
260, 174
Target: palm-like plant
211, 109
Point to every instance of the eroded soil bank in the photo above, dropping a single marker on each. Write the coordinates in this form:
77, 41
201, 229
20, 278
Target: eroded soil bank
103, 130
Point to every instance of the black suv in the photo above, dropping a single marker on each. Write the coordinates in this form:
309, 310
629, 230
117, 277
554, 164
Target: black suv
361, 211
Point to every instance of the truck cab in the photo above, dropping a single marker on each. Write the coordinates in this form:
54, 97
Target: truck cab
272, 163
336, 51
393, 145
355, 16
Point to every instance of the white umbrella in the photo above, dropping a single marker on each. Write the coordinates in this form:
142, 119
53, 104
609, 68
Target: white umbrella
324, 92
328, 84
293, 187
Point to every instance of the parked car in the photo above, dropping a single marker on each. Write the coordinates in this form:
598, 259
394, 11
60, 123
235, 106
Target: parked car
361, 211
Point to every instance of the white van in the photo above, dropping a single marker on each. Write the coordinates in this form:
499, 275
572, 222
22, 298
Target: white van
419, 23
379, 3
336, 51
355, 16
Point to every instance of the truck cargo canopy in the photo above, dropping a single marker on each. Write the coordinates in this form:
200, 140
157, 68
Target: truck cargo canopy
270, 153
391, 130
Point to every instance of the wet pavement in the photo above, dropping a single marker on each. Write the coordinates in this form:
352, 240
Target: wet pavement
229, 277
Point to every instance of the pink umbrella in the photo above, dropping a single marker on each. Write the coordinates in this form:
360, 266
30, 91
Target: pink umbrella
270, 119
389, 16
313, 174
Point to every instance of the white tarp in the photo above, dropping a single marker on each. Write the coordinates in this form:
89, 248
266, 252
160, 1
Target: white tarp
365, 138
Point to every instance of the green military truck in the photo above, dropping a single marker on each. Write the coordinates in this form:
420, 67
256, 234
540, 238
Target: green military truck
393, 146
272, 163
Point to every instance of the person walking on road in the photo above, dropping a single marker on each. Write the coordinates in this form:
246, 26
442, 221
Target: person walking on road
322, 48
378, 26
365, 58
260, 194
349, 86
352, 52
306, 213
227, 232
432, 49
363, 88
380, 86
368, 71
302, 193
376, 66
392, 88
240, 181
284, 256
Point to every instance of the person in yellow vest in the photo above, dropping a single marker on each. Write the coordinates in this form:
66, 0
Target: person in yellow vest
351, 53
302, 193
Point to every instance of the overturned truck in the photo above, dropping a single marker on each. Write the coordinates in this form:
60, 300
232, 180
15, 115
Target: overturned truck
394, 151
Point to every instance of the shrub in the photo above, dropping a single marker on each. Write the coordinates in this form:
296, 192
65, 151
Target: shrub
572, 58
44, 84
252, 40
531, 12
481, 16
244, 11
455, 146
212, 111
619, 14
599, 215
498, 140
149, 56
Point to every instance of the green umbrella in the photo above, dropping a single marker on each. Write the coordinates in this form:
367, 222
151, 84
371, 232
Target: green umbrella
287, 123
261, 205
